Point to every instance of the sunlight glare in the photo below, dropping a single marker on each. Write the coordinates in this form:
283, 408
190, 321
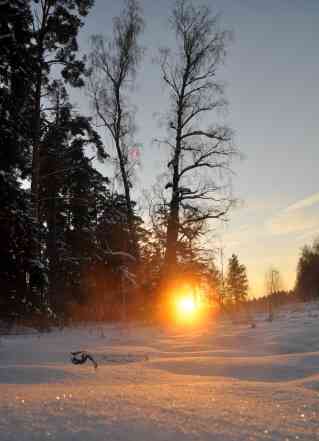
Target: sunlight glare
186, 307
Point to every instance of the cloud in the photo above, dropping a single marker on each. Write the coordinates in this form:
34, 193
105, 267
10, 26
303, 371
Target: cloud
269, 232
295, 219
304, 203
291, 223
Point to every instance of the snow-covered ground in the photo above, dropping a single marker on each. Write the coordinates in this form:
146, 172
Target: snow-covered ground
224, 382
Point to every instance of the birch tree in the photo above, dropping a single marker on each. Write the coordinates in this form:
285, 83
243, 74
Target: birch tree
200, 150
113, 65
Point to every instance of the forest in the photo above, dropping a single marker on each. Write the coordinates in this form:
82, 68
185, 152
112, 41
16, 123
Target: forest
74, 242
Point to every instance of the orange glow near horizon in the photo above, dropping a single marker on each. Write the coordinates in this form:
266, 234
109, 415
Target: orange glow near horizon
187, 308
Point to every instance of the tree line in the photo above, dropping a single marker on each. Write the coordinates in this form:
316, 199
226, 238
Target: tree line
73, 242
306, 287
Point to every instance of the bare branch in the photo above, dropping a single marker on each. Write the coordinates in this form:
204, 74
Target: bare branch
190, 75
113, 64
212, 135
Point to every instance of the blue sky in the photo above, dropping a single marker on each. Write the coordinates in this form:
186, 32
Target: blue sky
271, 75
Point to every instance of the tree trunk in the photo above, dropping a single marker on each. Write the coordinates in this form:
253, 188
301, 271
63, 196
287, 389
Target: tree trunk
173, 220
130, 211
36, 150
52, 252
35, 188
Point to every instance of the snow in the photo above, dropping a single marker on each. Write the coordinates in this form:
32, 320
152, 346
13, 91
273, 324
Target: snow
220, 382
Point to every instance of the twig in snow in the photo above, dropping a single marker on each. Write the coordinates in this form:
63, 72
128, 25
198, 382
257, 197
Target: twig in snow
80, 357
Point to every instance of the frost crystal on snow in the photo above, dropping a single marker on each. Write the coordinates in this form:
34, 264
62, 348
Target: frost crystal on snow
198, 385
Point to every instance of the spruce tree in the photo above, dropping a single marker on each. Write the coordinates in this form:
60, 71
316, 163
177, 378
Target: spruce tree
307, 282
237, 281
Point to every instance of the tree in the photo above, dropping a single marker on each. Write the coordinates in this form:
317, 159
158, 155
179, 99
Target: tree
55, 25
16, 235
69, 192
237, 281
113, 237
307, 282
198, 156
15, 86
113, 66
273, 281
16, 225
273, 287
215, 283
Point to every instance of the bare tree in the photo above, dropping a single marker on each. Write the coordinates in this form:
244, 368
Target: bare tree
273, 281
273, 284
113, 65
199, 154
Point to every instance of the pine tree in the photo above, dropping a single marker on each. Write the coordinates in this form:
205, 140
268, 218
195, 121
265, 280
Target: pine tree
15, 86
55, 26
16, 225
69, 189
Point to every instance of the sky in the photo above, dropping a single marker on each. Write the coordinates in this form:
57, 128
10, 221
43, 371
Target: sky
271, 82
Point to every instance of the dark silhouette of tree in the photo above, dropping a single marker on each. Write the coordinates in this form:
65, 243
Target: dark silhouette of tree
73, 245
16, 224
237, 281
307, 282
273, 286
70, 189
261, 304
55, 26
215, 283
198, 155
273, 281
113, 66
15, 86
113, 236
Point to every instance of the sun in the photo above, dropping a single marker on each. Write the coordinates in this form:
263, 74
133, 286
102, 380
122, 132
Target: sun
186, 307
185, 304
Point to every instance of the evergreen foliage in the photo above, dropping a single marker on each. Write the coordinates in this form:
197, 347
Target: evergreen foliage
307, 283
73, 244
237, 281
